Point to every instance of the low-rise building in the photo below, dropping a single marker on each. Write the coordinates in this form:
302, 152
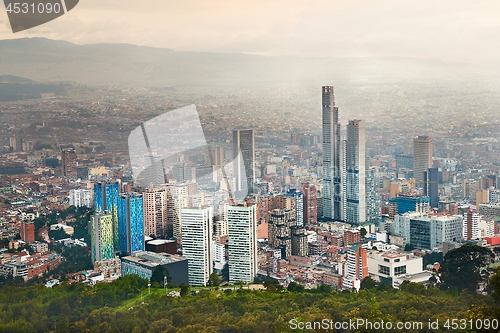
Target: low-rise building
387, 266
143, 263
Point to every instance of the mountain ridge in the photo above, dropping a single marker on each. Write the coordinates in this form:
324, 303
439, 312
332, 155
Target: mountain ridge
43, 60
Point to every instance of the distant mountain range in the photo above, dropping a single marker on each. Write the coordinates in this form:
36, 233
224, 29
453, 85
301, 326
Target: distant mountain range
123, 64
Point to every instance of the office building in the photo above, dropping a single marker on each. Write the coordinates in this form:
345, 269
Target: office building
355, 173
69, 163
404, 161
244, 161
404, 204
217, 156
197, 226
470, 228
431, 232
431, 177
106, 199
155, 212
310, 204
299, 241
388, 266
131, 223
154, 171
27, 232
144, 263
299, 205
373, 200
332, 186
80, 198
101, 231
242, 247
16, 143
357, 267
422, 158
280, 223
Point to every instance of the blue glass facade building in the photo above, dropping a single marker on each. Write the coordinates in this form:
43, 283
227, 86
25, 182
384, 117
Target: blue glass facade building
106, 198
411, 204
130, 223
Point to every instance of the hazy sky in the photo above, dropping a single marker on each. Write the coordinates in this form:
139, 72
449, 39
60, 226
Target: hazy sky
465, 31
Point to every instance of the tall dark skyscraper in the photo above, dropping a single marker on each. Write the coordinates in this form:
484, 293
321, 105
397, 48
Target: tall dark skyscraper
244, 165
332, 186
431, 176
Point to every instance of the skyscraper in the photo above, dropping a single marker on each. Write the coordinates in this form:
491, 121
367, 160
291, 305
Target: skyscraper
102, 236
431, 176
106, 199
280, 223
153, 173
299, 205
244, 166
373, 200
355, 172
332, 187
310, 204
68, 163
242, 248
130, 223
155, 212
422, 158
197, 244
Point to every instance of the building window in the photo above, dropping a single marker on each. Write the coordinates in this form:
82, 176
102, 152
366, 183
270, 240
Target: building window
400, 270
384, 270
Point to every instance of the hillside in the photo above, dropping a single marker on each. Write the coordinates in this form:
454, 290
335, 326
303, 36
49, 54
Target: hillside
126, 306
123, 64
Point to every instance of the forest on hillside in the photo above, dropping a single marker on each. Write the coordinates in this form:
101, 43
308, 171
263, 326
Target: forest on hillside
127, 306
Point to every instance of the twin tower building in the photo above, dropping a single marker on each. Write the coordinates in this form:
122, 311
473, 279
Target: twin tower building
349, 190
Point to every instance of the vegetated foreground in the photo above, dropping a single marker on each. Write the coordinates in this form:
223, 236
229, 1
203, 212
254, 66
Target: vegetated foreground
126, 306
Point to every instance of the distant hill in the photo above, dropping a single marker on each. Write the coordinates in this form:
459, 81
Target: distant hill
123, 64
13, 79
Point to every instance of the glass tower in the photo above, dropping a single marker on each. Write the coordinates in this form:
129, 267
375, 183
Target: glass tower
106, 198
130, 223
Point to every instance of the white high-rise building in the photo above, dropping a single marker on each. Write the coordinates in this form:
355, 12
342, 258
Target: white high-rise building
244, 165
155, 211
470, 226
355, 172
219, 255
197, 244
242, 236
80, 198
332, 185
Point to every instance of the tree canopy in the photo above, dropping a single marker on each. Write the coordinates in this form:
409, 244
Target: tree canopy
461, 267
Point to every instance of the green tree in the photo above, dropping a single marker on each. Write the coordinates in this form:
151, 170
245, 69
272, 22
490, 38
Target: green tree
363, 232
295, 287
214, 279
158, 276
368, 283
184, 289
461, 267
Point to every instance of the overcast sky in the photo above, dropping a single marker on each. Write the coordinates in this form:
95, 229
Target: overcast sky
464, 31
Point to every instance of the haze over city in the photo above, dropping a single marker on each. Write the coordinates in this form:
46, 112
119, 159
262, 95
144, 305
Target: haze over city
251, 166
